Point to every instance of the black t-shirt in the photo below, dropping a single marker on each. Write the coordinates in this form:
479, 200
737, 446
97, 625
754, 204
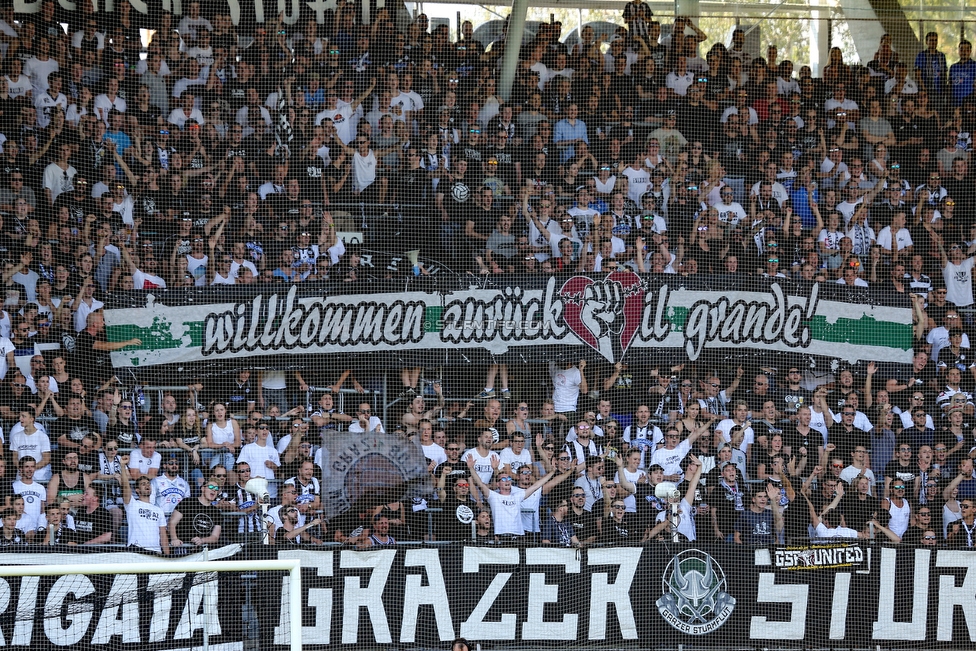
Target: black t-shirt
906, 474
584, 523
89, 526
78, 207
311, 171
626, 532
198, 520
923, 379
235, 92
458, 471
74, 430
857, 512
455, 519
6, 488
123, 433
350, 524
728, 506
755, 401
87, 462
9, 398
847, 441
625, 393
458, 199
92, 365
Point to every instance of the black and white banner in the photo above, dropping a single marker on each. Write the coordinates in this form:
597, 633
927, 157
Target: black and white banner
145, 12
611, 317
713, 595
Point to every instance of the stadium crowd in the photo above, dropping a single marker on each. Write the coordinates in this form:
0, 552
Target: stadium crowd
224, 157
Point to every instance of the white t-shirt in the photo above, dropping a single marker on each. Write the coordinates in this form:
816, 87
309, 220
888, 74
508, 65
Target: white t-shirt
6, 346
255, 455
235, 268
637, 183
516, 461
103, 105
779, 191
670, 460
959, 282
530, 511
34, 446
408, 101
34, 494
18, 87
143, 280
197, 267
57, 181
434, 452
749, 437
821, 531
895, 241
341, 117
506, 511
630, 501
938, 338
81, 315
144, 521
482, 464
686, 520
730, 213
39, 71
565, 387
363, 170
850, 472
374, 425
137, 461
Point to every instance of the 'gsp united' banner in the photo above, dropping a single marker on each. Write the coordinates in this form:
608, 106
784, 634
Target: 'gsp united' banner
604, 317
707, 596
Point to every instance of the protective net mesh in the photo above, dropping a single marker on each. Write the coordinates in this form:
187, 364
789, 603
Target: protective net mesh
634, 334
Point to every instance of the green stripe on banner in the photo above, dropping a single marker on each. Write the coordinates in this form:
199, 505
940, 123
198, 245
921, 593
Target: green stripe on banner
865, 331
432, 318
157, 336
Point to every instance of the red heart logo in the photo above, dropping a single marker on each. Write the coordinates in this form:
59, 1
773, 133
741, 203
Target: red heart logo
604, 314
572, 293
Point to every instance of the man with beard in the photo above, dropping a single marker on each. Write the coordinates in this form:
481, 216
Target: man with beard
71, 428
583, 521
93, 525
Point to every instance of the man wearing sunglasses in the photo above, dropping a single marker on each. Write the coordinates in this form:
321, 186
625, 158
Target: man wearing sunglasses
196, 521
457, 510
365, 421
506, 502
962, 533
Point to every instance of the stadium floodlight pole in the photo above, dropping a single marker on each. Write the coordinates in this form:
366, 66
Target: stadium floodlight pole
513, 44
292, 566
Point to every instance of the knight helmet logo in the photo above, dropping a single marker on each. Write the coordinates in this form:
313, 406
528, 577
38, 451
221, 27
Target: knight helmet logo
694, 598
